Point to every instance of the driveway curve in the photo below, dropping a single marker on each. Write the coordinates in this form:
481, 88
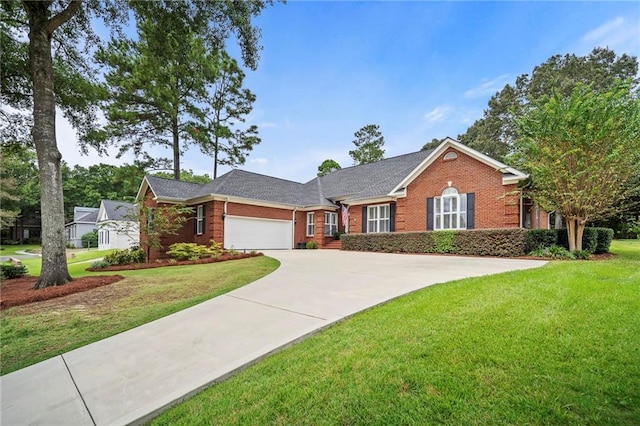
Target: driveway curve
130, 377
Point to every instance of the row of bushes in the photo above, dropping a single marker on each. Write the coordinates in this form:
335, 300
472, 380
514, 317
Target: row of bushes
594, 240
490, 242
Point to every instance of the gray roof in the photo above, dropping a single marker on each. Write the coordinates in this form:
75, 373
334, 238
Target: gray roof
89, 217
119, 210
352, 183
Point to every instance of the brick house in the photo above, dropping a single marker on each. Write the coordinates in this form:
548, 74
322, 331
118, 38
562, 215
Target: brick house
449, 187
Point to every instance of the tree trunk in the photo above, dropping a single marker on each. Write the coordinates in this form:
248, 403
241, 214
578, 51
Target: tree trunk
215, 158
54, 262
176, 148
579, 233
571, 233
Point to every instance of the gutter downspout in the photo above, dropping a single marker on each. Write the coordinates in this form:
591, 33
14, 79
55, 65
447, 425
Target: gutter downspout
293, 228
521, 206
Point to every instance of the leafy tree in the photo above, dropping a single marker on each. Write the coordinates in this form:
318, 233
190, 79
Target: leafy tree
19, 185
47, 43
159, 222
582, 152
90, 239
431, 145
8, 189
229, 103
368, 142
186, 175
495, 133
327, 167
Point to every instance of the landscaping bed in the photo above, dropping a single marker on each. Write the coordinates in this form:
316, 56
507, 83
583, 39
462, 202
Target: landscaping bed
161, 263
19, 291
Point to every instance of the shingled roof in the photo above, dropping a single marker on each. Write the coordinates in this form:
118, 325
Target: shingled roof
348, 185
118, 210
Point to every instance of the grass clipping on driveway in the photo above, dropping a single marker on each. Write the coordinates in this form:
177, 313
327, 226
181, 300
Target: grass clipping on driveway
554, 345
41, 330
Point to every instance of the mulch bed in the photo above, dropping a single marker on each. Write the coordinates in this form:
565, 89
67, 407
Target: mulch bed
19, 291
165, 262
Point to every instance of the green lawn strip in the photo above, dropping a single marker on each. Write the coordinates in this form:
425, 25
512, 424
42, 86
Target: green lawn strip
553, 345
77, 264
152, 294
11, 250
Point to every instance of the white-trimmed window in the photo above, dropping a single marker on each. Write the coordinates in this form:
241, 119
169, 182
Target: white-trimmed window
311, 225
330, 223
450, 210
200, 219
378, 218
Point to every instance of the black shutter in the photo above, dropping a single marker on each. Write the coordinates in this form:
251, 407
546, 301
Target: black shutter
364, 219
430, 214
204, 219
195, 220
471, 207
392, 217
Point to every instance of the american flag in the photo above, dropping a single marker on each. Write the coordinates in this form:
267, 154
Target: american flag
345, 216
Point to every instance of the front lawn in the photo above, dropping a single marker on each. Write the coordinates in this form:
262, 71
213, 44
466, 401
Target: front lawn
553, 345
41, 330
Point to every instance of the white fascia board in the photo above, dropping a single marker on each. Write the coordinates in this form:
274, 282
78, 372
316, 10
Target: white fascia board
318, 207
451, 143
143, 188
242, 200
370, 201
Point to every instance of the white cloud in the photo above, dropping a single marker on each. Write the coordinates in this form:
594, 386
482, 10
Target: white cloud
618, 34
259, 160
487, 87
438, 114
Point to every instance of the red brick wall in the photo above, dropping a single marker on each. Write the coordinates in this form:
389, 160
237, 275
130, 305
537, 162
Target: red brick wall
496, 206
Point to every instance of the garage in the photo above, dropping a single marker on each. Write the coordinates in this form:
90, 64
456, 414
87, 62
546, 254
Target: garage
252, 233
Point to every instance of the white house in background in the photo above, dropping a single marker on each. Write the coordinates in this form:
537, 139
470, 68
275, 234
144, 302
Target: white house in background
118, 225
84, 221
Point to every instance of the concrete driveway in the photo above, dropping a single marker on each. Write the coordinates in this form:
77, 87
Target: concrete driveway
130, 377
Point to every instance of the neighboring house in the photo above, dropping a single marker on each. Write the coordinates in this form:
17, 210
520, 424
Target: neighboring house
116, 226
84, 221
449, 187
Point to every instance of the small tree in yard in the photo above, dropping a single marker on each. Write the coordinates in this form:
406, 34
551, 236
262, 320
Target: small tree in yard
582, 151
158, 222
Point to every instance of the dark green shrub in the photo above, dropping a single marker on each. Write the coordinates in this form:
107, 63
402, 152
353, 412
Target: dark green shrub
536, 239
100, 264
605, 236
590, 239
495, 242
312, 245
90, 239
9, 271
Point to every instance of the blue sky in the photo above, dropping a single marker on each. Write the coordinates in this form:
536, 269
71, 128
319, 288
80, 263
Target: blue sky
420, 70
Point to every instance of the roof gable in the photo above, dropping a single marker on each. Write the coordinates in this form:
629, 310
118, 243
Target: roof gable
509, 174
116, 210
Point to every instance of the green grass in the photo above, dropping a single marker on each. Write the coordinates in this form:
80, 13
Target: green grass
10, 250
145, 295
550, 346
77, 265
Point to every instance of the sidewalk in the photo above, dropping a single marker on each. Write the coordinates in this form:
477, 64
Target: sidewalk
130, 377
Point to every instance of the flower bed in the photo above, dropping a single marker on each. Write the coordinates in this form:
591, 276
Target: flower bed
168, 262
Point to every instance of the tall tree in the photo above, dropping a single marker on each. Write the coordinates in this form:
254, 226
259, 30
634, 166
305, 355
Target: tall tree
369, 142
495, 133
582, 151
45, 74
431, 145
327, 167
228, 106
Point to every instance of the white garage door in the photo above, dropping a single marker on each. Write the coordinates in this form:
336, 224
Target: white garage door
257, 234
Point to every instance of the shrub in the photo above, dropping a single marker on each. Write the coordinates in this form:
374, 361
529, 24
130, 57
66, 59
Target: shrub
559, 252
193, 251
592, 240
491, 242
9, 271
100, 264
312, 245
581, 254
90, 239
605, 236
125, 257
536, 239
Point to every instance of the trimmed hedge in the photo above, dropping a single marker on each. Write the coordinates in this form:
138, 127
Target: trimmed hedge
481, 242
594, 240
489, 242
